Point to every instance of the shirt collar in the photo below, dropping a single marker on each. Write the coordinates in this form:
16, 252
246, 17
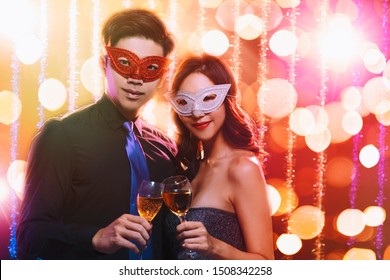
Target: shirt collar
112, 115
139, 125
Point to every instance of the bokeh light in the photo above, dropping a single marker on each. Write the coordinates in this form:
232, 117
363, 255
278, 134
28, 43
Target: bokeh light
194, 42
302, 121
365, 47
275, 15
91, 76
153, 5
210, 3
289, 244
16, 175
318, 141
215, 42
382, 112
52, 94
374, 61
4, 191
289, 198
28, 49
10, 107
277, 98
306, 221
375, 91
386, 72
225, 14
283, 43
339, 41
321, 118
288, 3
360, 254
369, 156
336, 113
279, 137
352, 122
348, 8
351, 98
375, 216
16, 18
351, 222
362, 109
249, 26
274, 199
367, 234
339, 172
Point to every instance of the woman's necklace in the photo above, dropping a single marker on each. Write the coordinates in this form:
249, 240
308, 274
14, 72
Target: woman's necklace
213, 161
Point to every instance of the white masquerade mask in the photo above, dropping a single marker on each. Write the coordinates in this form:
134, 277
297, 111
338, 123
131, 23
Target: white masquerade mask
204, 101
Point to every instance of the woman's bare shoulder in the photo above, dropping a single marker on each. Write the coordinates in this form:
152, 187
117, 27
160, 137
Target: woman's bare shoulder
245, 166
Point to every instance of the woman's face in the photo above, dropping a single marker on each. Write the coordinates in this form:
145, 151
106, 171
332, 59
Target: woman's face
204, 126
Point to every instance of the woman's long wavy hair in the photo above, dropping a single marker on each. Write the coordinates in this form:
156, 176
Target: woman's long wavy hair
238, 130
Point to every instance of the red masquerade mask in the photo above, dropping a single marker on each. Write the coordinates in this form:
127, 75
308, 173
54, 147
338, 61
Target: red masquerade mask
129, 65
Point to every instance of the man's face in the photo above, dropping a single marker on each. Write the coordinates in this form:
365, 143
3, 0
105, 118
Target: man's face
130, 94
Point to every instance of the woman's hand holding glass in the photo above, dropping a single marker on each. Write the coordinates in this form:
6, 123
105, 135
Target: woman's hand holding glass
195, 236
177, 196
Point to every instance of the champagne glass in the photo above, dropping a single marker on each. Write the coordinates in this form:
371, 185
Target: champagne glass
149, 201
177, 196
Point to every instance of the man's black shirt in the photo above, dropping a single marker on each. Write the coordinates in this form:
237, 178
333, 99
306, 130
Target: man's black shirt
78, 181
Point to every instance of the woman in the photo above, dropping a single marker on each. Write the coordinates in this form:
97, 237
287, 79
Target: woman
230, 215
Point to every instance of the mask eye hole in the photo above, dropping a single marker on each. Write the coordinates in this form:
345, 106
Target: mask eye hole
124, 61
209, 97
181, 102
153, 67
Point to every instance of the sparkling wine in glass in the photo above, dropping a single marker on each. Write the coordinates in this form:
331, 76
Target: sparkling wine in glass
149, 201
177, 196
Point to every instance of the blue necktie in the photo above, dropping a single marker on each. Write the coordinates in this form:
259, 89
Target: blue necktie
139, 172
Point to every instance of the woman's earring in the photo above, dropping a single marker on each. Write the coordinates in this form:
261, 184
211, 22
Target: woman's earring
200, 151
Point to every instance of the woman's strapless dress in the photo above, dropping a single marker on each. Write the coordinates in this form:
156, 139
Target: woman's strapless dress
220, 224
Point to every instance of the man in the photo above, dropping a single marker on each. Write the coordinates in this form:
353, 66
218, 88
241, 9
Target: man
78, 181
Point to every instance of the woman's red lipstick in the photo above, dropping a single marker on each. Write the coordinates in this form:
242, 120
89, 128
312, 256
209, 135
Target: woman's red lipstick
201, 125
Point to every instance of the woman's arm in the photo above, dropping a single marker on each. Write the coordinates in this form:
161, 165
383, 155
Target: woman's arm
250, 200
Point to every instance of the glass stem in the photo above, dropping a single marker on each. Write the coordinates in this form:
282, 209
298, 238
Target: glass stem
183, 218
